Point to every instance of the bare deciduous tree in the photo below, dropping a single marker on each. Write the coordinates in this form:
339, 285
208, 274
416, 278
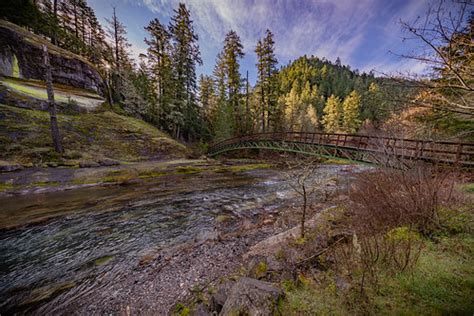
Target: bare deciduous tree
51, 104
446, 35
303, 179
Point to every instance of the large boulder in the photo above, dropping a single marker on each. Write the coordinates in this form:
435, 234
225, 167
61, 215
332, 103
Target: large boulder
252, 297
21, 57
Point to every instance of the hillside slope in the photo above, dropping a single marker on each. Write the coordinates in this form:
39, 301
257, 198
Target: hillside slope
89, 139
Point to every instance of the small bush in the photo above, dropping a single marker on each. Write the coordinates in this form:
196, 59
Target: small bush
389, 198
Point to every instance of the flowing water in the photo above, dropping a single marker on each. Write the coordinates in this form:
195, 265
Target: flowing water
88, 232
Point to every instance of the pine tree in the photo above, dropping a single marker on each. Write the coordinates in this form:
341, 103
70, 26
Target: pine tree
350, 107
117, 32
267, 80
223, 125
374, 107
312, 119
232, 52
161, 72
309, 99
134, 102
292, 109
185, 57
208, 98
332, 114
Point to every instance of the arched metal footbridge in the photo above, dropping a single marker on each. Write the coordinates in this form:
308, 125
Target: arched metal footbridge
359, 148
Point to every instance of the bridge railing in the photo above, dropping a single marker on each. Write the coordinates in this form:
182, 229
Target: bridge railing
450, 152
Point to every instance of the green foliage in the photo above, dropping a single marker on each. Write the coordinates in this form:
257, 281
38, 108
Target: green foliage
224, 124
332, 114
300, 108
261, 269
401, 234
351, 110
374, 106
468, 187
182, 310
267, 92
185, 56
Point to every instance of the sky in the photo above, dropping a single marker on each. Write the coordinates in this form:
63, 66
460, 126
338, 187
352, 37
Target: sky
364, 34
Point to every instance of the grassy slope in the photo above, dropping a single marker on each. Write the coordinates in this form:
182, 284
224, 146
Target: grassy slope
25, 138
442, 282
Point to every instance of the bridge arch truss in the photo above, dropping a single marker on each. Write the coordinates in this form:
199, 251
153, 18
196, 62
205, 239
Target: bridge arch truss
359, 148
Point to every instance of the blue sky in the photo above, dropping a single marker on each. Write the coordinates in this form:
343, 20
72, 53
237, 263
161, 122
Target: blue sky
360, 32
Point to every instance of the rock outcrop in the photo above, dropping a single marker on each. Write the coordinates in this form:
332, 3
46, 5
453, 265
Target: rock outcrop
21, 57
252, 297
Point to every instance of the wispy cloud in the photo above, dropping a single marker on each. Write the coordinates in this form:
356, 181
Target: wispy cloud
359, 32
326, 28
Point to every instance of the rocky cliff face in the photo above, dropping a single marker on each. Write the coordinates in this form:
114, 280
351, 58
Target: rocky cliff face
21, 57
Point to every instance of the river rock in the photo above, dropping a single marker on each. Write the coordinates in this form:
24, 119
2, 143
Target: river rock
270, 246
108, 162
9, 167
252, 297
218, 299
200, 310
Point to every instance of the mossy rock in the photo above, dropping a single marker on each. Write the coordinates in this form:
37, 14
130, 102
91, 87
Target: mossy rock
103, 260
47, 292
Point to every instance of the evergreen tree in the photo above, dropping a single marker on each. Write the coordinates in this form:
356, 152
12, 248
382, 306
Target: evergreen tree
117, 33
134, 102
309, 99
350, 106
293, 109
230, 67
223, 124
208, 98
332, 114
374, 107
300, 108
161, 72
267, 80
311, 119
185, 57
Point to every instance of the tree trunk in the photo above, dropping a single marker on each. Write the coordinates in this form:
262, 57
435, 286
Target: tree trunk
263, 110
116, 39
247, 109
51, 105
303, 216
83, 26
56, 23
76, 29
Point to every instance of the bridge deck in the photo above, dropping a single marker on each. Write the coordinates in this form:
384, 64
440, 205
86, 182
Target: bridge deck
371, 149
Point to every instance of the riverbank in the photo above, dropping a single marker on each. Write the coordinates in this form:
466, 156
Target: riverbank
343, 266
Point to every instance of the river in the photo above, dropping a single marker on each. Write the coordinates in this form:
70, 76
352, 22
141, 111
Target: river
96, 236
